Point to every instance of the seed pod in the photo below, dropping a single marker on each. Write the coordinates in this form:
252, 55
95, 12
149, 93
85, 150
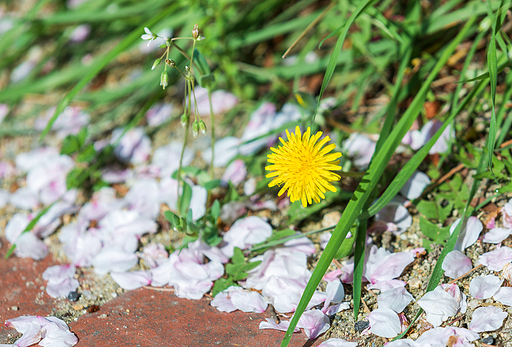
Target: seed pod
170, 62
155, 64
184, 120
195, 32
202, 126
164, 79
195, 128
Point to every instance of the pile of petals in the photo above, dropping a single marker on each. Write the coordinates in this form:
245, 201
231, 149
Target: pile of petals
45, 331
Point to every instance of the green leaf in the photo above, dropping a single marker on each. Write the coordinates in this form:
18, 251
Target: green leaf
211, 184
215, 211
433, 232
221, 284
87, 154
184, 199
493, 79
70, 145
190, 170
73, 178
434, 209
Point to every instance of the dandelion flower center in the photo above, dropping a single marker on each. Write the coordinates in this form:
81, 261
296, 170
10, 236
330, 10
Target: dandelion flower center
303, 167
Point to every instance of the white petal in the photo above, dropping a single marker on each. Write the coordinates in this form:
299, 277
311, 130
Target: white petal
384, 322
497, 259
487, 318
132, 280
456, 264
396, 299
469, 235
496, 235
314, 323
415, 185
483, 287
337, 343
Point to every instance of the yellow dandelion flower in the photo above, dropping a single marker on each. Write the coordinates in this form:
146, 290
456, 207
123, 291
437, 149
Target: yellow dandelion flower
303, 167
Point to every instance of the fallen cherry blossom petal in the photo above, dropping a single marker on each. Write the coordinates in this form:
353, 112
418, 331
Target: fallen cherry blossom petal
403, 343
167, 158
332, 310
113, 259
415, 185
483, 287
235, 172
198, 202
441, 336
249, 301
225, 150
496, 235
497, 259
396, 299
334, 293
143, 198
271, 324
504, 296
301, 244
332, 275
456, 264
154, 254
438, 305
383, 265
361, 148
469, 235
337, 343
132, 280
384, 322
245, 233
395, 214
454, 290
48, 332
314, 323
487, 318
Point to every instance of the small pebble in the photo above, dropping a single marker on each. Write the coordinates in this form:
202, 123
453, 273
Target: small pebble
14, 308
73, 296
78, 307
488, 340
102, 316
361, 325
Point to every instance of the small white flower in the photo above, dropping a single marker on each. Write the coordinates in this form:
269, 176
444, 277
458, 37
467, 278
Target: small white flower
149, 36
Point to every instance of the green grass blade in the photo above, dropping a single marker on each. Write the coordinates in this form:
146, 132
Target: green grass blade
493, 79
411, 166
369, 182
29, 227
337, 49
99, 64
359, 251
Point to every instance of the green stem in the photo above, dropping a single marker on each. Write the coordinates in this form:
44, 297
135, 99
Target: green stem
213, 130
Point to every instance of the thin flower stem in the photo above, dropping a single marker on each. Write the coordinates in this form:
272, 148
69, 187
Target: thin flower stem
213, 130
187, 112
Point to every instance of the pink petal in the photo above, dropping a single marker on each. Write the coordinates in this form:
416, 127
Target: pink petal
245, 233
222, 301
487, 318
271, 324
248, 301
469, 235
335, 293
332, 275
332, 310
403, 343
132, 280
497, 259
225, 150
235, 172
301, 244
128, 223
396, 299
24, 198
440, 336
483, 287
314, 323
30, 246
456, 264
158, 114
361, 148
384, 266
384, 322
113, 259
143, 198
337, 343
198, 202
504, 296
49, 332
167, 158
62, 288
154, 254
438, 305
414, 187
496, 235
